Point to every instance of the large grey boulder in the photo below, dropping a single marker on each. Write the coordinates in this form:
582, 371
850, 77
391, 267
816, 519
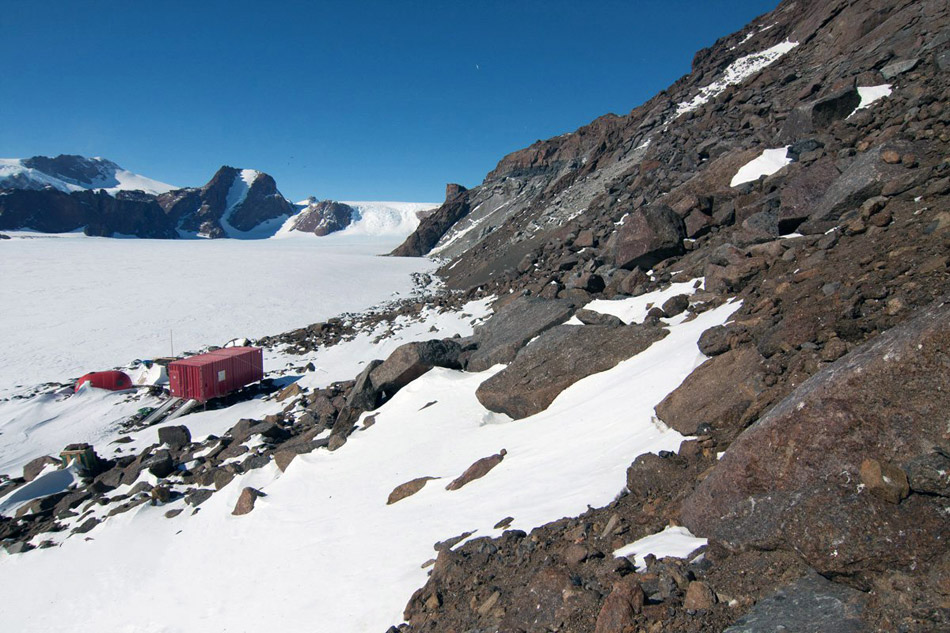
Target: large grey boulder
556, 360
808, 604
648, 236
509, 329
410, 361
863, 179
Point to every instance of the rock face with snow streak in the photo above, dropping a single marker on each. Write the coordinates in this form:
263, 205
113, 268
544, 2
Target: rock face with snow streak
233, 201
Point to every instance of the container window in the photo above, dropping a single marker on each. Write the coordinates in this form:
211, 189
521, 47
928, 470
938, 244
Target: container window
221, 376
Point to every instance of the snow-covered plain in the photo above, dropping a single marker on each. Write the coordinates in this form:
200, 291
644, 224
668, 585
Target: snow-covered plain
322, 551
73, 304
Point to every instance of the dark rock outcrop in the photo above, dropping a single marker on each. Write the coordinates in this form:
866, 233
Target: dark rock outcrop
512, 326
647, 237
324, 217
557, 359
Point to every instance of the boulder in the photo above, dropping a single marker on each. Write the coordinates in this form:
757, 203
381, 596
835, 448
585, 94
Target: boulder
34, 467
675, 305
245, 502
792, 480
863, 179
717, 393
407, 489
619, 610
410, 361
809, 604
476, 471
648, 236
160, 464
363, 396
803, 190
176, 437
820, 113
699, 596
556, 360
509, 329
589, 317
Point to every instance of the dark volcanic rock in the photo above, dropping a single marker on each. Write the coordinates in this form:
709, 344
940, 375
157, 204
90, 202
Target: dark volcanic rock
176, 437
648, 236
863, 179
245, 502
509, 329
791, 480
100, 214
821, 113
559, 358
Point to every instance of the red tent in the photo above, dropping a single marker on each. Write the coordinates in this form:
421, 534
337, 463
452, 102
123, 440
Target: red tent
111, 380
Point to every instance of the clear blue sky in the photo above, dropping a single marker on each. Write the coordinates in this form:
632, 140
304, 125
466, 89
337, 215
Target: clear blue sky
343, 100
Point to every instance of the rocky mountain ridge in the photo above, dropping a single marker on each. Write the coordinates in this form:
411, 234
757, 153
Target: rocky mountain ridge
74, 195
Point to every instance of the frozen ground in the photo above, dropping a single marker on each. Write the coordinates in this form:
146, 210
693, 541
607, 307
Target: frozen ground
73, 304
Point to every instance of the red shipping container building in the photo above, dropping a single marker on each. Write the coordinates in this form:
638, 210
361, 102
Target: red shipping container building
216, 373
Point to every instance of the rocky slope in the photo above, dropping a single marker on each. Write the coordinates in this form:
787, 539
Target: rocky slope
822, 395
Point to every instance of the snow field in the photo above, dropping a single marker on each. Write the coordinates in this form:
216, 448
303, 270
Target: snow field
323, 539
88, 304
673, 541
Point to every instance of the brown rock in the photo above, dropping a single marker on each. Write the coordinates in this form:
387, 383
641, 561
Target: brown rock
477, 470
35, 467
648, 236
407, 489
890, 157
885, 481
791, 480
245, 502
718, 392
290, 391
283, 459
621, 606
699, 596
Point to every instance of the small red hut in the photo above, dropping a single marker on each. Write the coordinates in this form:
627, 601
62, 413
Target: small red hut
216, 373
111, 380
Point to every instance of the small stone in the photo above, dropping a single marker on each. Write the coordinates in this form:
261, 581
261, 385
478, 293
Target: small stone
171, 514
161, 494
890, 157
909, 160
504, 523
283, 459
884, 480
